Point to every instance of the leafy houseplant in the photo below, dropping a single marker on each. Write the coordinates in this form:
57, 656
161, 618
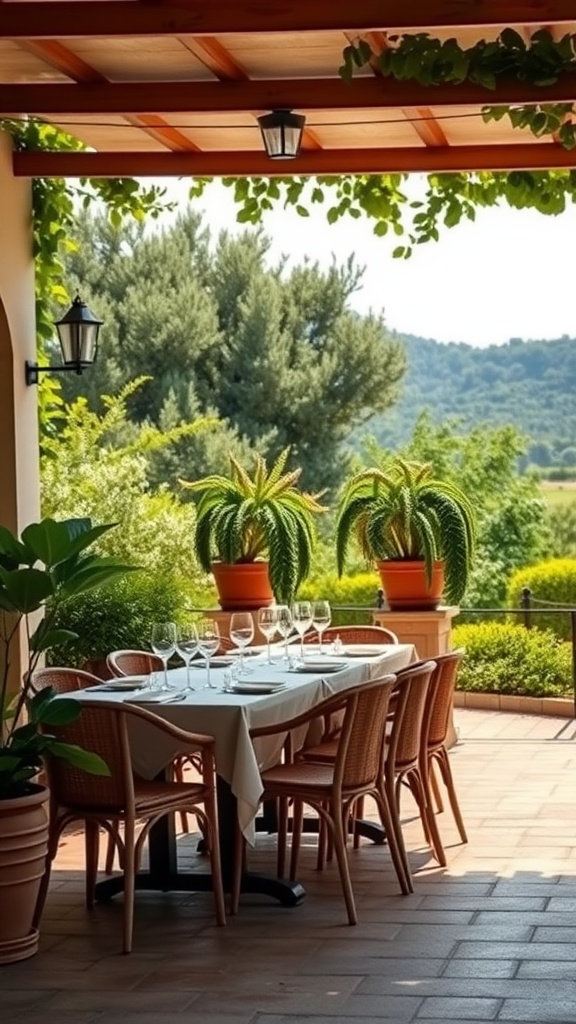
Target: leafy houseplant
244, 520
403, 515
47, 565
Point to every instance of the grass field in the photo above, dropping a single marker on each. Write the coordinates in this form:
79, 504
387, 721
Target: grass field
559, 492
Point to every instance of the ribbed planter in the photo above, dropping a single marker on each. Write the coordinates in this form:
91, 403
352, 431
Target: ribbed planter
406, 585
243, 586
23, 849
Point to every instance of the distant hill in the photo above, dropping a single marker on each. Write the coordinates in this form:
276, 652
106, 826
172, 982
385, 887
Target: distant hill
530, 384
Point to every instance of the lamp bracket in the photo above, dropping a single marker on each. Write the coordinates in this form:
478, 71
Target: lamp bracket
33, 370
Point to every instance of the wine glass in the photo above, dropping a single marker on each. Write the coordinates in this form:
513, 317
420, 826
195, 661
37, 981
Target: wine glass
187, 646
241, 634
321, 619
163, 643
284, 626
302, 620
208, 644
268, 624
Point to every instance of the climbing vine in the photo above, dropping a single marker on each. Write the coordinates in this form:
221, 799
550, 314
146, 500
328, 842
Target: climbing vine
54, 205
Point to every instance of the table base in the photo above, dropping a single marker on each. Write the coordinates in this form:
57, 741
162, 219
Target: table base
289, 894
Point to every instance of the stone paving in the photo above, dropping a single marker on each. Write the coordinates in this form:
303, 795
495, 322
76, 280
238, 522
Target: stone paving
490, 938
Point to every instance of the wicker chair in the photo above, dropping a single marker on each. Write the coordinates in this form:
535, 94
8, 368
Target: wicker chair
121, 797
63, 680
350, 635
133, 663
329, 789
434, 751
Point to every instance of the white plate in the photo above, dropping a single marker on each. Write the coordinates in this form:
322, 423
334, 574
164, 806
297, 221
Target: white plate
365, 650
157, 697
257, 687
319, 665
126, 683
218, 661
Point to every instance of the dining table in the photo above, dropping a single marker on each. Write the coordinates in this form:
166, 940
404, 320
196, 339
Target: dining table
269, 694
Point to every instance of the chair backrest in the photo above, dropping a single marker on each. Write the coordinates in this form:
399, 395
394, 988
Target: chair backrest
440, 693
100, 729
133, 663
354, 635
63, 680
358, 759
411, 690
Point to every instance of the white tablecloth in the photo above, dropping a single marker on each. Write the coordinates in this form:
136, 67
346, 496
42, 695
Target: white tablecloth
230, 716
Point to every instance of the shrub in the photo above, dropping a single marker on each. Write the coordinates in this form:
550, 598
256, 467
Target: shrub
505, 658
116, 618
553, 582
359, 590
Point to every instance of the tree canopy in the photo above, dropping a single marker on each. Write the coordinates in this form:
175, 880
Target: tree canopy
274, 351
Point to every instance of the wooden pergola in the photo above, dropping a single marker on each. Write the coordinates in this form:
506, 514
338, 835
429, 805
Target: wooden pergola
174, 87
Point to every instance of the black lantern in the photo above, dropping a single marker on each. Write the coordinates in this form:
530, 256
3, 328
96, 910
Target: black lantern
78, 336
282, 133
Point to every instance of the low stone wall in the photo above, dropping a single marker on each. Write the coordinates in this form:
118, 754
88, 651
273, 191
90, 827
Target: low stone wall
559, 707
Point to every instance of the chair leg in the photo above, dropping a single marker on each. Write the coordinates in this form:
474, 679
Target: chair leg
435, 788
239, 855
336, 828
418, 782
282, 836
358, 813
211, 830
92, 845
446, 771
129, 880
404, 881
179, 777
297, 816
392, 800
45, 883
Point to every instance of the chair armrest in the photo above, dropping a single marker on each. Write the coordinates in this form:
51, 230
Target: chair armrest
335, 703
191, 738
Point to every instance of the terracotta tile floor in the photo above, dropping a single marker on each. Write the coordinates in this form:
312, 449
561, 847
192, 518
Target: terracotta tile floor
492, 937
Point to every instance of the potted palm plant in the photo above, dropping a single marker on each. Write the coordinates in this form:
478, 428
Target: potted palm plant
255, 533
47, 565
419, 530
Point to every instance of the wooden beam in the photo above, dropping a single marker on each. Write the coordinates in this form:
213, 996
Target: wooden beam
70, 19
529, 156
296, 94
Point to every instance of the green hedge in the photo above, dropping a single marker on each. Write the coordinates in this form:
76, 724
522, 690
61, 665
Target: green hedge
359, 590
116, 617
553, 581
503, 658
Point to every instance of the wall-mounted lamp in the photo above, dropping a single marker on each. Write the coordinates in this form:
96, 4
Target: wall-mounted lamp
78, 336
282, 133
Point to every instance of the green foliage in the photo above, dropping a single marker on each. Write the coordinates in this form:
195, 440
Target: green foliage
358, 590
119, 618
47, 566
402, 511
54, 216
241, 518
561, 527
265, 349
552, 582
509, 509
430, 61
505, 658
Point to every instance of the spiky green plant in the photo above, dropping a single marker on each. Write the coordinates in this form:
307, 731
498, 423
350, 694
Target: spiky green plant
402, 512
243, 518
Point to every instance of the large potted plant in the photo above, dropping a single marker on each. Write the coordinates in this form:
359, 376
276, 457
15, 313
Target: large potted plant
46, 566
255, 533
418, 529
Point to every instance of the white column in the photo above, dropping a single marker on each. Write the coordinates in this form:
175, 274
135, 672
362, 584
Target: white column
19, 458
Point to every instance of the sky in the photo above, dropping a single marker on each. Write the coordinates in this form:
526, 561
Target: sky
510, 274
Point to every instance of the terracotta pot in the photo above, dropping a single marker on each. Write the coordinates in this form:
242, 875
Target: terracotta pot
406, 585
23, 850
243, 586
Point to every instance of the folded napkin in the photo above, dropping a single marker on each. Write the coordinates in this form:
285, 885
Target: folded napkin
156, 697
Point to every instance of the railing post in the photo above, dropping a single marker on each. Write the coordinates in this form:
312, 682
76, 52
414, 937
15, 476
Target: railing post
573, 631
526, 604
380, 599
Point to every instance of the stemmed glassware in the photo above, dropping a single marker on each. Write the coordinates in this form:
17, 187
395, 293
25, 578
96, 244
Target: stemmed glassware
163, 643
284, 626
208, 644
302, 620
187, 646
241, 634
268, 624
321, 619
